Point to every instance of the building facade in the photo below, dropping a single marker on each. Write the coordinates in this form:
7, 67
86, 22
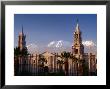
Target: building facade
34, 64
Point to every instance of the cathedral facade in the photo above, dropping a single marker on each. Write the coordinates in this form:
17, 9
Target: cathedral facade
55, 63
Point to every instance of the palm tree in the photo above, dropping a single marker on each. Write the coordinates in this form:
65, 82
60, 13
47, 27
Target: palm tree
79, 66
85, 68
17, 51
75, 61
23, 52
42, 61
66, 56
41, 64
60, 62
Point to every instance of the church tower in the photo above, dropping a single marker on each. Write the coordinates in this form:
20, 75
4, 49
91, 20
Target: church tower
21, 40
78, 48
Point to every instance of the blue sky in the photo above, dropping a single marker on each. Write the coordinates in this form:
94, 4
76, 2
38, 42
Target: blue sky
41, 29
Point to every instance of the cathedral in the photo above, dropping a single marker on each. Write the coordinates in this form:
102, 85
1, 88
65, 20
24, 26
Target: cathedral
78, 47
76, 68
21, 40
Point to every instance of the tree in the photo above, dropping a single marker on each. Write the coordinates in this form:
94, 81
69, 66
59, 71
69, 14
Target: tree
20, 55
85, 68
42, 60
23, 52
66, 56
60, 62
17, 51
41, 64
75, 61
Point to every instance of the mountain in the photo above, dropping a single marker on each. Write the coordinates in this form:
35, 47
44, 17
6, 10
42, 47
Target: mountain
32, 48
59, 46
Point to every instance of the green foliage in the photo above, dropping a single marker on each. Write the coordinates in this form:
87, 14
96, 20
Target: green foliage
18, 52
85, 69
24, 51
65, 54
42, 60
60, 63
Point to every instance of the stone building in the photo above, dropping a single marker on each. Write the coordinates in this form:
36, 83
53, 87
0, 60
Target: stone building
78, 49
75, 68
21, 40
92, 63
51, 61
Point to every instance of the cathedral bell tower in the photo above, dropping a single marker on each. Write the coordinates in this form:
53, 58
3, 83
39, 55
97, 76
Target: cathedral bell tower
21, 40
78, 48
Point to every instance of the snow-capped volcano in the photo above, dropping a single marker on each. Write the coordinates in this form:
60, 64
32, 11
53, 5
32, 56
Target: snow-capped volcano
59, 44
88, 43
32, 48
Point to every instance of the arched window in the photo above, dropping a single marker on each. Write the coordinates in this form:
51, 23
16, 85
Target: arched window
76, 51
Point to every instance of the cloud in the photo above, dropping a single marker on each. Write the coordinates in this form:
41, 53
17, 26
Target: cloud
88, 43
